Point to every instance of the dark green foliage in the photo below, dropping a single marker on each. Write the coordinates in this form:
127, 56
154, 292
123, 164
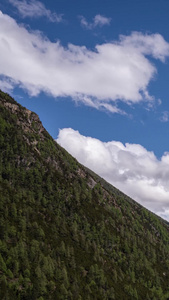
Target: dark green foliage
64, 232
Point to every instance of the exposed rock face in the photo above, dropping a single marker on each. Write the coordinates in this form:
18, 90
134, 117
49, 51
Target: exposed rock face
26, 118
12, 107
30, 123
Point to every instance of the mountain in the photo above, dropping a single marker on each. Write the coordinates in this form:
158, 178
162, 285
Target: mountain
65, 233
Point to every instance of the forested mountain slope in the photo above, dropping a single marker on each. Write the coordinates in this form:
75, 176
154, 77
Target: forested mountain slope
64, 232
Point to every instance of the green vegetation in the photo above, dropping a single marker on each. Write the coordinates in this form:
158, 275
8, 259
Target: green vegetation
64, 232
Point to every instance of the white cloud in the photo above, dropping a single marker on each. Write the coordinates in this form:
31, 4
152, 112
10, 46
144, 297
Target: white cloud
35, 9
130, 167
98, 21
116, 71
165, 116
6, 85
101, 20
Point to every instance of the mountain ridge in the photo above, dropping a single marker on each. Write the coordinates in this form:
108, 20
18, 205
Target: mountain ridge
79, 236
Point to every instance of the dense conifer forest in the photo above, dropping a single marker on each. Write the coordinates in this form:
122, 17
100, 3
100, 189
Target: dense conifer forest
64, 232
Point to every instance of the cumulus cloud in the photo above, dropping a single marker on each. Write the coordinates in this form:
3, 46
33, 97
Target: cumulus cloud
130, 167
112, 72
35, 9
98, 21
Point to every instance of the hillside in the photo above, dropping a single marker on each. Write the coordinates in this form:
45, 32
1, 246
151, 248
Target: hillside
64, 232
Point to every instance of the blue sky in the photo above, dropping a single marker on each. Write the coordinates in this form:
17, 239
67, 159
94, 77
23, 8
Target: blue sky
98, 72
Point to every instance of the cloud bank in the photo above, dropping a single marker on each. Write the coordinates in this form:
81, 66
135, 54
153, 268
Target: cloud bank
130, 167
35, 9
98, 21
112, 72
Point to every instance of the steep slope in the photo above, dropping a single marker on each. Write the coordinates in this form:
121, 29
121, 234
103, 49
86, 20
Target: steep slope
64, 232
